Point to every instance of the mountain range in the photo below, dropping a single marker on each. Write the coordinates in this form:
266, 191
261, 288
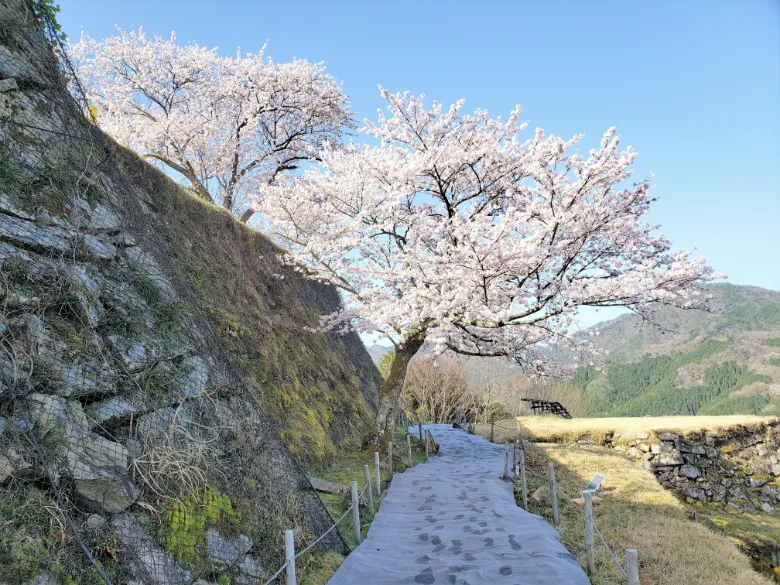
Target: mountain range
723, 361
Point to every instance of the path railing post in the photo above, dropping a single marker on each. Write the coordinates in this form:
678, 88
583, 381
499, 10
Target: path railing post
492, 427
369, 491
523, 483
553, 492
632, 566
409, 449
353, 488
419, 428
377, 473
514, 458
506, 462
426, 444
289, 553
590, 561
390, 458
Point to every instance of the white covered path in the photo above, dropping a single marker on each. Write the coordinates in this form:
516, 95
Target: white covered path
453, 521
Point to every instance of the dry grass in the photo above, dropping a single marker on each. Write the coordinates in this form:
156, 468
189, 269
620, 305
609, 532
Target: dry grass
553, 429
636, 512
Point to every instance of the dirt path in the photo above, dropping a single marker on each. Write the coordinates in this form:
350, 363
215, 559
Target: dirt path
454, 521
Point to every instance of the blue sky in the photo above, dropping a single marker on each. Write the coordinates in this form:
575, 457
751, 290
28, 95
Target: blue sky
694, 86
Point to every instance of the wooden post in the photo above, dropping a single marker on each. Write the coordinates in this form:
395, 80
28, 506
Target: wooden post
353, 488
632, 566
369, 491
289, 553
426, 445
523, 482
377, 474
591, 564
419, 428
553, 492
390, 458
409, 448
514, 458
506, 462
492, 426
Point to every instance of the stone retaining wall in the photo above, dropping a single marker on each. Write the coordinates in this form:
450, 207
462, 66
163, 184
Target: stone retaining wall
739, 466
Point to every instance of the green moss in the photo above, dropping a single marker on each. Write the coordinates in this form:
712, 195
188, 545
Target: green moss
188, 519
321, 568
164, 311
223, 580
28, 539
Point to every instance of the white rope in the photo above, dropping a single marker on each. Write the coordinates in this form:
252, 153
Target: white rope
329, 530
595, 528
609, 550
279, 572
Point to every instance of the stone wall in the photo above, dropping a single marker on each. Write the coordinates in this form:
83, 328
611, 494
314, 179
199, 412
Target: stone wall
127, 426
739, 467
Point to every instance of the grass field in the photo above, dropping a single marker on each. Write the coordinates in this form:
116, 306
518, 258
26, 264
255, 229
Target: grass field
554, 429
639, 512
636, 512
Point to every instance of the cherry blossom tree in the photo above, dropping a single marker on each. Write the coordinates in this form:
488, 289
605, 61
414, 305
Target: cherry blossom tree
228, 125
451, 230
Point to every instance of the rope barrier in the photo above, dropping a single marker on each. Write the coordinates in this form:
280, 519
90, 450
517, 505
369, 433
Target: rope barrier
595, 527
576, 507
329, 530
609, 550
323, 535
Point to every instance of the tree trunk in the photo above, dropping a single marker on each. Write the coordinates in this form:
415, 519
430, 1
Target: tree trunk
391, 390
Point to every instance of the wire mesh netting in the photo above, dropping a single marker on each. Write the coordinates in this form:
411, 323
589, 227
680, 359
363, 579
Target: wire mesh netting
130, 450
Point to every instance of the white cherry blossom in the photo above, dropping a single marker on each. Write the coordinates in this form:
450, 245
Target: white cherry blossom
453, 230
228, 125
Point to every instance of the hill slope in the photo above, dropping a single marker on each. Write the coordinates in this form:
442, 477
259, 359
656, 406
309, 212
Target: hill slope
725, 362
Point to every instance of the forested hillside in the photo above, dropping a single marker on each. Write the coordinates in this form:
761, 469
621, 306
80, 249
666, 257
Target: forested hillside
721, 362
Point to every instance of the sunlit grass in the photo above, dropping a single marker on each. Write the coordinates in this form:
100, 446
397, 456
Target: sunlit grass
554, 429
635, 512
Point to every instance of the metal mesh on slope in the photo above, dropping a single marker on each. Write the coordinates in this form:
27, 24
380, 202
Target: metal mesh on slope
130, 450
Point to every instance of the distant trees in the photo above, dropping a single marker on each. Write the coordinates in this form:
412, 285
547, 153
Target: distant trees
439, 392
450, 229
229, 126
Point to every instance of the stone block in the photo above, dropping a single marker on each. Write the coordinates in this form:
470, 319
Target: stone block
223, 552
673, 457
689, 471
26, 233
